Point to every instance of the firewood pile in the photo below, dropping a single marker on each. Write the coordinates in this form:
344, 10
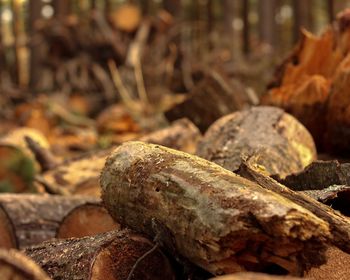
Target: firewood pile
207, 187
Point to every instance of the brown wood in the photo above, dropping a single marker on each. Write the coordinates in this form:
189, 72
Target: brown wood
31, 219
253, 276
14, 265
80, 175
264, 136
148, 187
213, 97
339, 224
109, 256
86, 220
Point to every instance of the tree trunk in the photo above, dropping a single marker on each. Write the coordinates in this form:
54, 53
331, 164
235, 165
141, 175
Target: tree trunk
61, 8
267, 23
148, 187
35, 14
246, 27
14, 265
172, 6
81, 221
302, 17
264, 136
31, 219
110, 255
330, 8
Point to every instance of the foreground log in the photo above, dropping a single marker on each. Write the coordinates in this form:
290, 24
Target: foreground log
264, 136
227, 223
111, 256
253, 276
80, 175
16, 266
215, 96
86, 220
339, 224
31, 219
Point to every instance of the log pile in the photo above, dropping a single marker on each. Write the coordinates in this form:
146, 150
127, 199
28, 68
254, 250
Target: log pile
312, 84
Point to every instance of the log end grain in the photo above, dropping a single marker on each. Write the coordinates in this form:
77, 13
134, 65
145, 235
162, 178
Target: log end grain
15, 265
86, 220
7, 232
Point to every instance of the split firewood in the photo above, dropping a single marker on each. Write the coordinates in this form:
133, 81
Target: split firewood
117, 255
30, 219
339, 224
86, 220
254, 276
213, 97
228, 224
80, 175
318, 175
336, 267
312, 84
14, 265
266, 137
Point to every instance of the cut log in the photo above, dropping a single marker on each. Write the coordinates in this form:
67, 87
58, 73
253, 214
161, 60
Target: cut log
254, 276
339, 224
336, 268
266, 137
109, 256
318, 175
80, 175
31, 219
215, 96
86, 220
14, 265
182, 135
227, 223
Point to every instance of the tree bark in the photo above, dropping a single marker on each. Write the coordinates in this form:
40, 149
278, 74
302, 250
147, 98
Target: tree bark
339, 224
109, 256
264, 136
16, 265
32, 219
81, 221
246, 27
302, 17
148, 187
267, 23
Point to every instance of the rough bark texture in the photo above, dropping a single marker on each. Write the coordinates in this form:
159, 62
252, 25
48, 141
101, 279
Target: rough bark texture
319, 175
86, 220
336, 268
80, 175
108, 256
339, 224
264, 136
16, 266
215, 218
35, 218
336, 196
213, 97
253, 276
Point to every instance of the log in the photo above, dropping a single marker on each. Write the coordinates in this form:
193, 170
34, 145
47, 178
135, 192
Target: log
80, 175
82, 220
228, 224
253, 276
336, 267
16, 265
111, 256
266, 137
213, 97
318, 175
28, 219
339, 224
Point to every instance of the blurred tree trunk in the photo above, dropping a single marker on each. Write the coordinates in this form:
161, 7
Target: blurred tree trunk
2, 52
34, 15
172, 6
246, 27
330, 8
210, 22
302, 17
16, 32
267, 24
61, 7
228, 7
